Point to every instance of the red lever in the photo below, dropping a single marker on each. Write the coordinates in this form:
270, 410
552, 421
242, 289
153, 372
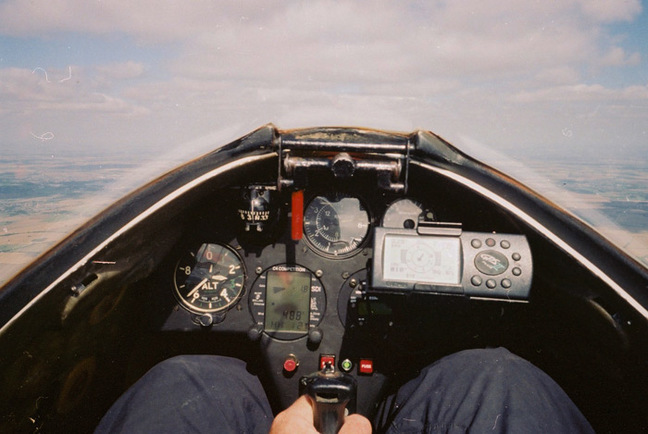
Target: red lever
297, 221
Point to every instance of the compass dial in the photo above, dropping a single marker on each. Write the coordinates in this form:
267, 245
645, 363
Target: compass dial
209, 279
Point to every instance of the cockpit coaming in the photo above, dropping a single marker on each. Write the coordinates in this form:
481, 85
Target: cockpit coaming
377, 252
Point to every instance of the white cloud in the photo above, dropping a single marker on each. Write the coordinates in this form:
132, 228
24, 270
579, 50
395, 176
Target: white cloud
470, 66
583, 92
390, 44
558, 75
68, 89
608, 10
121, 71
147, 20
617, 56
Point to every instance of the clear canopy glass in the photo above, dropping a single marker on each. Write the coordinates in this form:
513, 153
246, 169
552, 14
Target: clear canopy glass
98, 98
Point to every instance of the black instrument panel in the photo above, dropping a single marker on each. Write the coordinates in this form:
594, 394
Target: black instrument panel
230, 266
396, 241
313, 299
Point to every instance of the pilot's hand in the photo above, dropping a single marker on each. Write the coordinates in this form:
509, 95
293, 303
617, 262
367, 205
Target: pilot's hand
298, 418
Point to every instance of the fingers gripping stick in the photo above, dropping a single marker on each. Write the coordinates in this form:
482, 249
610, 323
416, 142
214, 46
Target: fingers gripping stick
330, 392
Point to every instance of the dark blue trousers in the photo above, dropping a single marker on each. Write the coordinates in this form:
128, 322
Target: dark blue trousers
476, 391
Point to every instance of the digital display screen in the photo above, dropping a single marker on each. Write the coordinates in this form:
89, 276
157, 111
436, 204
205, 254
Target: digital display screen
422, 259
287, 301
374, 308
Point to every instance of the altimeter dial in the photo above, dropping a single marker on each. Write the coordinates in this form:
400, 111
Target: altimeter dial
209, 279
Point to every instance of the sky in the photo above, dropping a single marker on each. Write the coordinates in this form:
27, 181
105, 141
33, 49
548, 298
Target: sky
534, 78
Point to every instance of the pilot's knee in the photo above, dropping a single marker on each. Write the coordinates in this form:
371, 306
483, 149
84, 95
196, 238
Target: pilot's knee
204, 368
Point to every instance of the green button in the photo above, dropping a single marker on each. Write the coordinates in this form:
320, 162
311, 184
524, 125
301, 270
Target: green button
346, 365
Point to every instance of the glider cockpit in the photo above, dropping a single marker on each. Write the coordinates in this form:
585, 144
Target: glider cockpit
376, 253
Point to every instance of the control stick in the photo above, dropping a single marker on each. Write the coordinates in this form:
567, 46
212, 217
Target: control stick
330, 392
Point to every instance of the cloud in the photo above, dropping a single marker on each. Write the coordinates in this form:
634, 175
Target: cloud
23, 89
28, 93
149, 21
322, 42
610, 11
344, 41
558, 75
617, 56
471, 66
583, 92
121, 71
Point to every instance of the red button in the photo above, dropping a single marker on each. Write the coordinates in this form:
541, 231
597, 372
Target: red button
365, 367
291, 363
327, 358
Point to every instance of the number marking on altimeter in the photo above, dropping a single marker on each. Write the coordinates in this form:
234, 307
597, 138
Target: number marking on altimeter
224, 295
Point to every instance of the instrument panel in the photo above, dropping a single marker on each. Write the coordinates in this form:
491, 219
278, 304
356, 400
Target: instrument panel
404, 250
285, 298
340, 293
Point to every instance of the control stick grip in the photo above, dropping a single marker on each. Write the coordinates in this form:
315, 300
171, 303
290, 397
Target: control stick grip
328, 418
330, 392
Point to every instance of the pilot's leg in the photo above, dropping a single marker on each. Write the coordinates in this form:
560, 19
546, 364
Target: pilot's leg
192, 394
481, 391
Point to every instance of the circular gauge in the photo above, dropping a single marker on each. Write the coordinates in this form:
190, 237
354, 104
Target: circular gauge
287, 301
404, 213
336, 225
209, 279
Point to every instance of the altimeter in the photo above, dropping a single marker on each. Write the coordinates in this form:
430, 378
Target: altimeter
209, 279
